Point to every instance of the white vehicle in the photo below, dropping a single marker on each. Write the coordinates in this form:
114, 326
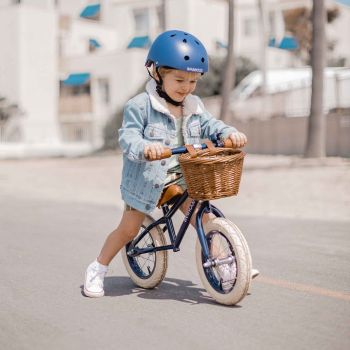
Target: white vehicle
288, 93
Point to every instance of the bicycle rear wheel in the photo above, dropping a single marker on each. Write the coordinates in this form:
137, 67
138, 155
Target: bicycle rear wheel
149, 269
228, 284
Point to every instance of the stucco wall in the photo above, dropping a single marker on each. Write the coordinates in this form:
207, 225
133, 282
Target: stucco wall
38, 73
10, 54
288, 135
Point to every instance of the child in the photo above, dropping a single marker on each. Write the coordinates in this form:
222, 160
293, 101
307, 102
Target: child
166, 115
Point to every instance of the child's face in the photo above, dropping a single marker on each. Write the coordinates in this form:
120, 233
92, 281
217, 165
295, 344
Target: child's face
178, 84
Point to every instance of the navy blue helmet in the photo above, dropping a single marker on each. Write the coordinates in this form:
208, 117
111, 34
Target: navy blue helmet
179, 50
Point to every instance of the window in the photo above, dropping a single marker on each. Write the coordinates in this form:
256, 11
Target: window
142, 21
77, 90
249, 26
94, 44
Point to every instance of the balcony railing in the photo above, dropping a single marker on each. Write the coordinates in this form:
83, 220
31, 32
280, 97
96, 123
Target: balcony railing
75, 104
76, 132
10, 131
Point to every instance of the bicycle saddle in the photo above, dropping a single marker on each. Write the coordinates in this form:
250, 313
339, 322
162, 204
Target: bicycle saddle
170, 193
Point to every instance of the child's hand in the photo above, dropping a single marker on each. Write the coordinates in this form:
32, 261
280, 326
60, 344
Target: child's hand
238, 139
153, 151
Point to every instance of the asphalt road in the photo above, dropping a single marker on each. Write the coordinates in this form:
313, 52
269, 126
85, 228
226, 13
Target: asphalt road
300, 301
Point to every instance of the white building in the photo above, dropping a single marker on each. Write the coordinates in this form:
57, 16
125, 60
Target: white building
28, 72
71, 64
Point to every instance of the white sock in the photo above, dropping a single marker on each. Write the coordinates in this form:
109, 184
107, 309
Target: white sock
100, 266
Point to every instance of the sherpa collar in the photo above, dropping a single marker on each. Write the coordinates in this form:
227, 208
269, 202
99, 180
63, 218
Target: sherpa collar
191, 103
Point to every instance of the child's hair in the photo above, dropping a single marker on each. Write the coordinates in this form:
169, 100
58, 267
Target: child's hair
158, 74
162, 71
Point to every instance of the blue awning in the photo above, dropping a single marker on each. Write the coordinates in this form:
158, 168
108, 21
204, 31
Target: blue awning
94, 43
77, 79
91, 11
140, 42
287, 43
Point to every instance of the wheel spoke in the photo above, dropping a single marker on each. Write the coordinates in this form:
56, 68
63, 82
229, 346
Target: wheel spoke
145, 263
219, 248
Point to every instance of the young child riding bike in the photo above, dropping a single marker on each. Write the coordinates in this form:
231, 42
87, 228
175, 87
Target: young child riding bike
165, 115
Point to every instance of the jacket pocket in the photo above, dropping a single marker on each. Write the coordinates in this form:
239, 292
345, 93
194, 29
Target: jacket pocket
194, 129
154, 132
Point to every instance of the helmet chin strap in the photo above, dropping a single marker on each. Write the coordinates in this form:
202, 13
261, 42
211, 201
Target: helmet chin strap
166, 97
161, 92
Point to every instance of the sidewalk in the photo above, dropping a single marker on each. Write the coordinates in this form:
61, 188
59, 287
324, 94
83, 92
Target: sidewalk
274, 186
294, 187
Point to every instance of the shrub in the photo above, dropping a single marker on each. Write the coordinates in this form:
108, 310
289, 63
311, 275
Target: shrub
110, 131
210, 83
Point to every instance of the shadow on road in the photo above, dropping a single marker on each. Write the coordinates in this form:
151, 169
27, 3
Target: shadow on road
170, 289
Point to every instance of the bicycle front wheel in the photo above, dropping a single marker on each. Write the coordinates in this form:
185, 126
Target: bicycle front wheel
227, 283
147, 270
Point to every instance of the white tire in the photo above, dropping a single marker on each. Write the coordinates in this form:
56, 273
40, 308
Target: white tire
148, 270
236, 246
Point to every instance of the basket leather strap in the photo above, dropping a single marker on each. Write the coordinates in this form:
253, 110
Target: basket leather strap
210, 146
191, 150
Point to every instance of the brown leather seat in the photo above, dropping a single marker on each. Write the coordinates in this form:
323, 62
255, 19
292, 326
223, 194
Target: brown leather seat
169, 193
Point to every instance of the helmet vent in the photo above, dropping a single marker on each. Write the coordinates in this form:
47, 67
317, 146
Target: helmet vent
203, 59
186, 58
172, 35
185, 41
197, 42
185, 33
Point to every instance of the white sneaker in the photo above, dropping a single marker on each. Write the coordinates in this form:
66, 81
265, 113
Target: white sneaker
94, 276
255, 273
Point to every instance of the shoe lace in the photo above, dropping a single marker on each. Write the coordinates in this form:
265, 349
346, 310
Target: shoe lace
97, 277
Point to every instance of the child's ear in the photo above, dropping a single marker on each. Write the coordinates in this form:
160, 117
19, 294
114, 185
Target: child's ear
153, 73
156, 75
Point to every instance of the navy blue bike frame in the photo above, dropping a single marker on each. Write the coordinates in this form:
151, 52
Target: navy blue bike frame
176, 238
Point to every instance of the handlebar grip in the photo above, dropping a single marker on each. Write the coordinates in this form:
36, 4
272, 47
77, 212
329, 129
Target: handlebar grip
167, 153
228, 143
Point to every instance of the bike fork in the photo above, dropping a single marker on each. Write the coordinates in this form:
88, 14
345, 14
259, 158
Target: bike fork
206, 207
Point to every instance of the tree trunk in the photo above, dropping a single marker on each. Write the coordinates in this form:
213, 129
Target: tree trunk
263, 54
229, 71
316, 135
263, 47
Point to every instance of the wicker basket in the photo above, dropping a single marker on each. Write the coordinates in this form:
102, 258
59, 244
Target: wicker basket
212, 174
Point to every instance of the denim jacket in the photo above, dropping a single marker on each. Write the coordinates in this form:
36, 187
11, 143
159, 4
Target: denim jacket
147, 119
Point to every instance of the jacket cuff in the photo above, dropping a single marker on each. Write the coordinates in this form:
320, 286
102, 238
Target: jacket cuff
226, 132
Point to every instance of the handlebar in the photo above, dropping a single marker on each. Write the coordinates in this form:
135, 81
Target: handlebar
180, 150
